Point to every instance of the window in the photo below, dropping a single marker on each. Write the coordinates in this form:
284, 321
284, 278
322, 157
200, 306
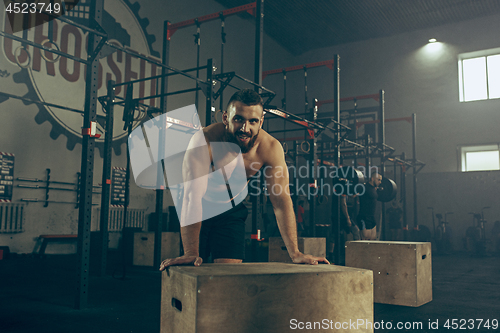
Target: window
479, 75
480, 158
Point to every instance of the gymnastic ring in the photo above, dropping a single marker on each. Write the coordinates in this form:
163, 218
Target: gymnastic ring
43, 53
285, 147
308, 146
322, 201
22, 47
198, 125
140, 116
215, 117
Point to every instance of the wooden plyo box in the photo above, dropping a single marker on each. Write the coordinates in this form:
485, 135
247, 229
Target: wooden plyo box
264, 298
144, 245
402, 271
307, 245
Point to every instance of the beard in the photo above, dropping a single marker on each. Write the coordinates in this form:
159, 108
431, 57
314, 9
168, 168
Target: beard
244, 146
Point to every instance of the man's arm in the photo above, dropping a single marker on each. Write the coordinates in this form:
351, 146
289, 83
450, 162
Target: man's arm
276, 175
195, 170
343, 205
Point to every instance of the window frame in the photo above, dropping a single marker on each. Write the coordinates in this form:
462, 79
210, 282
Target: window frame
461, 81
464, 149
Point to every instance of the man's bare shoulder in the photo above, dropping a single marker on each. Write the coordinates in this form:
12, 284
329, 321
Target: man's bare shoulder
214, 132
269, 146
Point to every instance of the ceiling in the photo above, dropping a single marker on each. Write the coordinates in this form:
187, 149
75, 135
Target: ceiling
301, 25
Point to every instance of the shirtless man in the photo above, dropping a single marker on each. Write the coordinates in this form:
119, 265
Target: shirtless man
222, 236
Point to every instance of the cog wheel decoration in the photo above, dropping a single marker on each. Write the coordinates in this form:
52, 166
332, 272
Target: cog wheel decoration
116, 32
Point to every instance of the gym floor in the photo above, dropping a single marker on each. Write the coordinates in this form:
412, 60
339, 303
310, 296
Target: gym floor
37, 295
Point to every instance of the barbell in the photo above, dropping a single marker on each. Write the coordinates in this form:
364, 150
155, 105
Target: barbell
346, 180
387, 190
348, 176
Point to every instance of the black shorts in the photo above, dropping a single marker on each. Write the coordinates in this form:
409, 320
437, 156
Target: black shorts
223, 236
366, 222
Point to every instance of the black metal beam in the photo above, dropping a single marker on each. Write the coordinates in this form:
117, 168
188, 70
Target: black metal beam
159, 76
209, 115
336, 155
159, 64
87, 168
415, 172
47, 49
403, 195
166, 94
313, 159
97, 31
106, 179
259, 34
382, 147
161, 148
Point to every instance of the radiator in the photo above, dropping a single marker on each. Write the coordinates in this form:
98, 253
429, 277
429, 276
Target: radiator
12, 217
135, 219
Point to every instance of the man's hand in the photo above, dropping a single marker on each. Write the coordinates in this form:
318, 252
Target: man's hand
184, 260
301, 258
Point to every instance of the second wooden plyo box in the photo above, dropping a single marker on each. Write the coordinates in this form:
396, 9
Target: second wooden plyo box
402, 271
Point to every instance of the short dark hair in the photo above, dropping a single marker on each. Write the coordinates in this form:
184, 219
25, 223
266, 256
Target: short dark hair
247, 97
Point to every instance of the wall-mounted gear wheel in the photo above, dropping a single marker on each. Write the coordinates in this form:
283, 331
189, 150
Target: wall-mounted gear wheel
115, 32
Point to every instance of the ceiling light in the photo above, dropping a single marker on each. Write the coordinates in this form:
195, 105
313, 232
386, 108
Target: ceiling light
432, 40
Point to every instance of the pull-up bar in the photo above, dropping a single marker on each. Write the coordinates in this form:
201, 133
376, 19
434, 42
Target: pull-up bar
249, 8
327, 63
157, 63
387, 120
300, 138
301, 121
345, 99
400, 162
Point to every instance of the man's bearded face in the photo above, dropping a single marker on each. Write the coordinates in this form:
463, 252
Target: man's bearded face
243, 125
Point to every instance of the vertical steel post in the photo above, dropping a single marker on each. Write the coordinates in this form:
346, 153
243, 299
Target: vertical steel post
395, 172
197, 40
313, 183
295, 184
160, 178
106, 178
87, 167
403, 191
283, 104
310, 159
283, 101
381, 140
223, 41
367, 157
336, 112
414, 136
306, 100
259, 34
130, 123
209, 112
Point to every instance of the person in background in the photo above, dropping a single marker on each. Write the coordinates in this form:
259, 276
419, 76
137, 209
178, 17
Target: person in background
395, 218
367, 206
